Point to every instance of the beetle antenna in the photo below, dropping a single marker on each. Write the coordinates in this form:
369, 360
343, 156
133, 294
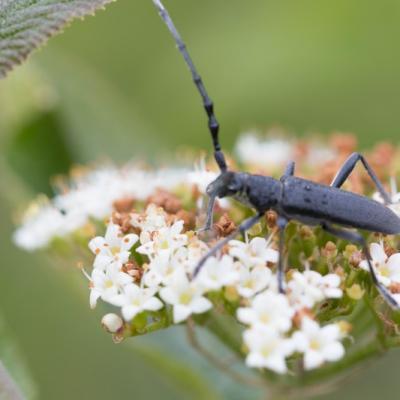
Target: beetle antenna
213, 124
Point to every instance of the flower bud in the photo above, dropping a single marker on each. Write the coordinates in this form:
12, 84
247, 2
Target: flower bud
355, 292
112, 323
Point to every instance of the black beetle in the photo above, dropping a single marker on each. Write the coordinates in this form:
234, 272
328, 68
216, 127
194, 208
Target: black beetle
292, 197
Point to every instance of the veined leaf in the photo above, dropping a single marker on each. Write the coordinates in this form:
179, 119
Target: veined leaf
27, 24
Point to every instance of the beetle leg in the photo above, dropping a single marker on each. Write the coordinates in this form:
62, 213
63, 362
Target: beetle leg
210, 213
348, 167
289, 171
355, 237
242, 228
282, 222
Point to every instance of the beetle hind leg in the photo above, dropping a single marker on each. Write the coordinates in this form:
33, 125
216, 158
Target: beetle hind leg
347, 169
355, 237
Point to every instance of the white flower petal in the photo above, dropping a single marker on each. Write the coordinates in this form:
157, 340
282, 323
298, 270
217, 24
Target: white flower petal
153, 304
181, 313
200, 305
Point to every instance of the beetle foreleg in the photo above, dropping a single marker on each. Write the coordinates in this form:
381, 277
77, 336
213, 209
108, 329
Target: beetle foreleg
357, 238
242, 228
210, 213
348, 167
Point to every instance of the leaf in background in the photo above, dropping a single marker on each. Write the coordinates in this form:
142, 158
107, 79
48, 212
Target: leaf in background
100, 122
25, 94
13, 364
8, 388
38, 151
187, 370
26, 25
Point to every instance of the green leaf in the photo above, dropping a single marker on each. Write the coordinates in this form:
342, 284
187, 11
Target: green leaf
100, 122
187, 370
27, 24
14, 375
38, 152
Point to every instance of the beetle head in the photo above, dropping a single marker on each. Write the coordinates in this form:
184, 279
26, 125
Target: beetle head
228, 183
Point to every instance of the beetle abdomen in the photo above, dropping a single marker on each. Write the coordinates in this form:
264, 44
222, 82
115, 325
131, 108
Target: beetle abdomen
325, 203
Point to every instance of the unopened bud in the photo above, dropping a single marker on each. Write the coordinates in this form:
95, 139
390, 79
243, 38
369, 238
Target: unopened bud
355, 292
344, 327
112, 323
330, 250
231, 294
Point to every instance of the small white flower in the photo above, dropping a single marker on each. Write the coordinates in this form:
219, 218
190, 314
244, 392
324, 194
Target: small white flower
113, 248
319, 344
307, 288
318, 153
165, 239
201, 176
253, 281
217, 273
267, 349
195, 250
268, 309
330, 286
386, 268
269, 153
163, 266
153, 219
107, 284
135, 299
186, 297
255, 253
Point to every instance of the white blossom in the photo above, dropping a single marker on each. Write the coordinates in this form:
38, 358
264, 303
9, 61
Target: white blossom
91, 194
307, 288
163, 266
267, 152
387, 269
166, 239
153, 219
257, 252
201, 176
268, 309
43, 223
319, 344
217, 273
186, 297
253, 281
267, 349
113, 248
135, 299
107, 284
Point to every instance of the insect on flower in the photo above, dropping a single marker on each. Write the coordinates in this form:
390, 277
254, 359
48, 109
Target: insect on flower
290, 197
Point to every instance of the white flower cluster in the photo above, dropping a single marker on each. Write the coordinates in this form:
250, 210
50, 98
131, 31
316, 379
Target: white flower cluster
270, 152
272, 335
91, 195
170, 257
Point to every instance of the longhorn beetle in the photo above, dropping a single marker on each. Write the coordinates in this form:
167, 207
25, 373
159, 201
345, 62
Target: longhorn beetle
291, 197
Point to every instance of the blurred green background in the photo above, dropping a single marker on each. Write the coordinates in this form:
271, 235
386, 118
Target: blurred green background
114, 87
